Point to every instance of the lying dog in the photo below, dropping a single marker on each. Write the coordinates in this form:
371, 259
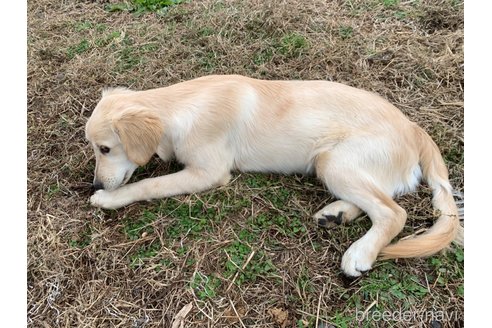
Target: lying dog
363, 149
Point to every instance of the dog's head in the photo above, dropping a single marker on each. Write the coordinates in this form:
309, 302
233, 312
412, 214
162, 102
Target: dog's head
124, 135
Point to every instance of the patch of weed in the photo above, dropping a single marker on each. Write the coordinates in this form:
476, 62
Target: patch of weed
187, 226
83, 239
164, 263
208, 61
278, 197
53, 190
205, 287
142, 6
263, 56
390, 3
394, 289
390, 285
150, 47
400, 14
345, 32
288, 225
292, 45
134, 228
206, 31
128, 58
78, 49
200, 213
107, 39
258, 180
82, 26
101, 27
238, 253
304, 282
447, 268
341, 320
303, 323
143, 254
460, 290
454, 155
120, 6
181, 251
190, 220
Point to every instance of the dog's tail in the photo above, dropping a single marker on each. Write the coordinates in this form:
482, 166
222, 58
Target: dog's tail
447, 228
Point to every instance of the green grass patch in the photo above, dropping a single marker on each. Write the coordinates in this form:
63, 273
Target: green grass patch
345, 32
280, 214
400, 14
149, 47
142, 6
83, 239
447, 269
342, 320
390, 3
107, 39
82, 26
134, 228
206, 31
304, 281
287, 225
200, 213
53, 190
78, 49
208, 61
144, 254
393, 289
205, 287
292, 45
189, 219
390, 285
128, 58
259, 180
164, 264
454, 155
263, 56
237, 254
307, 323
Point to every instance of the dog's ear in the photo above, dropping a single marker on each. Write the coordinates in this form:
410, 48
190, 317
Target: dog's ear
140, 132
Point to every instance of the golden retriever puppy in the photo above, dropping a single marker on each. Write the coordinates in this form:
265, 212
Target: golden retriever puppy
364, 150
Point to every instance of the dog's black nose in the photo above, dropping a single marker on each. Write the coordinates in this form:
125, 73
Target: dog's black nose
97, 186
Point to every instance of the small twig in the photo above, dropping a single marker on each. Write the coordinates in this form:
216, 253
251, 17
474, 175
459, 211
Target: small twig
237, 314
242, 269
427, 283
319, 305
437, 279
369, 307
453, 103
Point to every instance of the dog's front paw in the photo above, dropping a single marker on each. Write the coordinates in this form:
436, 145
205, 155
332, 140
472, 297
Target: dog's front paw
103, 199
357, 260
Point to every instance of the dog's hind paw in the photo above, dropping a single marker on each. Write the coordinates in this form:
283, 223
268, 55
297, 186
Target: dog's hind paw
336, 213
330, 221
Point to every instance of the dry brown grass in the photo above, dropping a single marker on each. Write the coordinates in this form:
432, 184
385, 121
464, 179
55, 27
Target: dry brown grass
86, 269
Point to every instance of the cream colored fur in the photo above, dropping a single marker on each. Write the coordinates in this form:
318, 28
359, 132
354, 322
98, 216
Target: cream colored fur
362, 147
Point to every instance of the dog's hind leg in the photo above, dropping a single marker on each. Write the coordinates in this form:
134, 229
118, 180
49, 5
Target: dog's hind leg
354, 185
336, 213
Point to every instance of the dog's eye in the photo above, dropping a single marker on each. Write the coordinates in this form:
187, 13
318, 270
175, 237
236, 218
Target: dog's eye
104, 149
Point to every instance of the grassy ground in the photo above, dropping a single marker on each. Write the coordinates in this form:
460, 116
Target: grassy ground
248, 254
